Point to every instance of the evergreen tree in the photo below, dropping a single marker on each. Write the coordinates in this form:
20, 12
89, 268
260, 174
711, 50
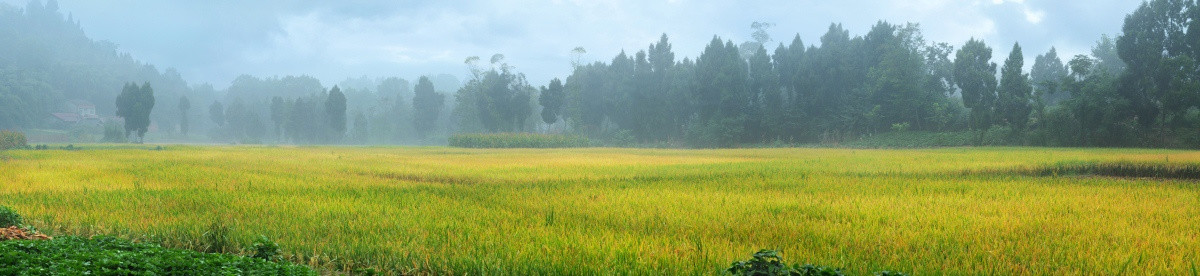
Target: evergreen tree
552, 99
975, 75
427, 105
335, 110
184, 105
1013, 93
134, 105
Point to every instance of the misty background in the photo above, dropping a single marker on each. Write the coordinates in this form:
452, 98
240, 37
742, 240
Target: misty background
624, 73
216, 41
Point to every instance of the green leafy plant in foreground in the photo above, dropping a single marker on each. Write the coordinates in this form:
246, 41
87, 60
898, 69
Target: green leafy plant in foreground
113, 256
768, 263
8, 217
266, 249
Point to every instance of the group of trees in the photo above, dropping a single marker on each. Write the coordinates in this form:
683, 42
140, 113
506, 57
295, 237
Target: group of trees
1141, 89
731, 95
494, 100
301, 111
134, 105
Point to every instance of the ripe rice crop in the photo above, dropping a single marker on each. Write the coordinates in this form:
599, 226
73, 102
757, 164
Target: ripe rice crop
631, 211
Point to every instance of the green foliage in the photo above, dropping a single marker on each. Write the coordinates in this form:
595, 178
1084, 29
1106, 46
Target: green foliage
768, 263
1014, 92
12, 140
265, 249
975, 75
134, 105
552, 100
494, 100
9, 218
184, 105
335, 112
112, 256
243, 124
517, 140
914, 139
427, 106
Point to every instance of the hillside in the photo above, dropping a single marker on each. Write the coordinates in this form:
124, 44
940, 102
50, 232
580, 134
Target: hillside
49, 60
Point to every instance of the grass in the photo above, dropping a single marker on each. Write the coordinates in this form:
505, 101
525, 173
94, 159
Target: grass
628, 211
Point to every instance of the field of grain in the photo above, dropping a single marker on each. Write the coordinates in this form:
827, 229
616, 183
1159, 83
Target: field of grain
627, 211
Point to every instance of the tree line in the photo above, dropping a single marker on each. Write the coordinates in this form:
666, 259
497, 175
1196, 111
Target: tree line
1140, 89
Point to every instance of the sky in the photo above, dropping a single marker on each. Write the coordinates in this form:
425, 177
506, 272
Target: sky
214, 41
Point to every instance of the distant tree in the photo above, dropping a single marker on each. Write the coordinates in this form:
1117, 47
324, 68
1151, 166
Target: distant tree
362, 131
243, 125
427, 105
722, 96
1156, 45
767, 96
552, 99
494, 100
975, 75
1047, 76
1107, 57
216, 112
393, 86
184, 105
1013, 93
134, 105
335, 110
279, 115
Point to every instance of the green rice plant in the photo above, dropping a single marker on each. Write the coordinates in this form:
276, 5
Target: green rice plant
218, 238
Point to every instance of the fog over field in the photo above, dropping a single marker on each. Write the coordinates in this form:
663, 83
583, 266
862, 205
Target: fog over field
215, 41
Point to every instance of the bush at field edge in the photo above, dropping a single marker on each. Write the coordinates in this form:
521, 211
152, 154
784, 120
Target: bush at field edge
517, 140
12, 140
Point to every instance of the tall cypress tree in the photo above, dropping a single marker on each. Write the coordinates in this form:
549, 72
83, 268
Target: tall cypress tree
1013, 94
335, 109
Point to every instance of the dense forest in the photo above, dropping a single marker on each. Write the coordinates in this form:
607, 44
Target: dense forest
1140, 88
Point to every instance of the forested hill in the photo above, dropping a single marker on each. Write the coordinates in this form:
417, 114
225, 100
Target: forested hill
46, 59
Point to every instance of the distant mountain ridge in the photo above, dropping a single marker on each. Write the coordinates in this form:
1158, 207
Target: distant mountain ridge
49, 60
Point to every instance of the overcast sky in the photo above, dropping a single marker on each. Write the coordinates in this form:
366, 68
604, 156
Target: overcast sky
216, 40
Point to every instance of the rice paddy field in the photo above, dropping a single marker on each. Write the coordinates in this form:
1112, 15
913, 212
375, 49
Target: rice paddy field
628, 211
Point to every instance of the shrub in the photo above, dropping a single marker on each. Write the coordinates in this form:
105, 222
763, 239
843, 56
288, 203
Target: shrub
768, 263
517, 140
114, 133
12, 140
112, 256
265, 249
8, 217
